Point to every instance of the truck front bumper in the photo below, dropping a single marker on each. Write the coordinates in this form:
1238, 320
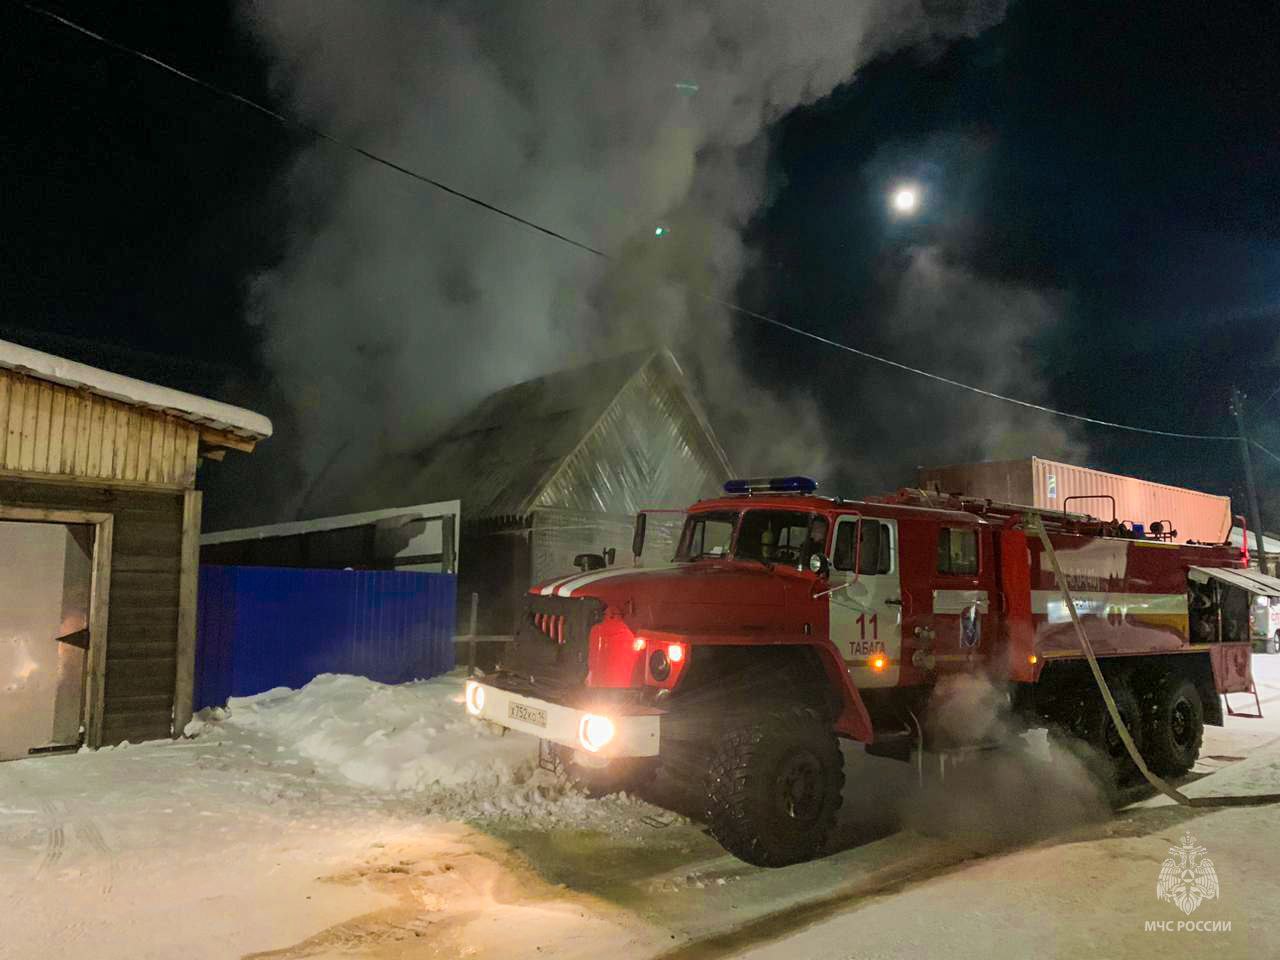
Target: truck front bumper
600, 733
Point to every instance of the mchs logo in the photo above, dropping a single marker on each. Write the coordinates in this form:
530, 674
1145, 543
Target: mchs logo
1187, 878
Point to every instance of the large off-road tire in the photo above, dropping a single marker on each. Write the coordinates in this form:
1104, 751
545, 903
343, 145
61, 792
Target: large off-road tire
773, 788
1091, 735
1175, 725
1273, 644
1105, 737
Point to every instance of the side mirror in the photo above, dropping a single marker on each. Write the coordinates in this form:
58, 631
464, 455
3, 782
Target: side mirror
588, 561
610, 554
637, 539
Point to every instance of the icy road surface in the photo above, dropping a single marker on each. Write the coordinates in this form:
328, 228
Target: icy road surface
356, 820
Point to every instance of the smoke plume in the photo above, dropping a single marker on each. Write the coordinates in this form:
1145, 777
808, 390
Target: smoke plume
396, 306
942, 317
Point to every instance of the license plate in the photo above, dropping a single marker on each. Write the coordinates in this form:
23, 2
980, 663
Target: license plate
534, 715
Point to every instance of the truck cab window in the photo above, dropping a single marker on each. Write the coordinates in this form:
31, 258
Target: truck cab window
875, 554
707, 535
775, 536
957, 551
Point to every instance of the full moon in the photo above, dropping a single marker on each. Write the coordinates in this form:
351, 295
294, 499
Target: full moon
905, 199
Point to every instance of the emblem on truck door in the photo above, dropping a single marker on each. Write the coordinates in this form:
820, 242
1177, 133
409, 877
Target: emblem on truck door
970, 627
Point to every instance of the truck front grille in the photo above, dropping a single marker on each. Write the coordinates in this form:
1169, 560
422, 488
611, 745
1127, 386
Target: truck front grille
550, 646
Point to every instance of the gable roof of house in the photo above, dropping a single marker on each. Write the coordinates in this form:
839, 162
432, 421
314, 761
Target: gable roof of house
502, 456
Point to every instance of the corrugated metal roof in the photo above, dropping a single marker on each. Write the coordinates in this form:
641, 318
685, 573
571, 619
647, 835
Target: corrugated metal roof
502, 457
1250, 580
1269, 540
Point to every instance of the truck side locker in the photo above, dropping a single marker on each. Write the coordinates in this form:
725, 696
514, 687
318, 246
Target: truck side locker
1015, 606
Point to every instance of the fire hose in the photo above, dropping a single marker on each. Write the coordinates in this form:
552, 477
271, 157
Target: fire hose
1035, 524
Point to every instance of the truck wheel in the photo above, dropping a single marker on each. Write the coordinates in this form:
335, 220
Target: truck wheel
1175, 727
1106, 738
773, 789
1091, 735
1273, 645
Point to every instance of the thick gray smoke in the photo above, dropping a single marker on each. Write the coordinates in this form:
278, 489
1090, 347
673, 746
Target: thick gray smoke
944, 318
396, 306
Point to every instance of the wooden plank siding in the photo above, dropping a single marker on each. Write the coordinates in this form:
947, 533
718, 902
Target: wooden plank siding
46, 428
146, 585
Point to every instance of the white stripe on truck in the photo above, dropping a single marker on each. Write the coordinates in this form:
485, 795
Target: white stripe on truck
566, 588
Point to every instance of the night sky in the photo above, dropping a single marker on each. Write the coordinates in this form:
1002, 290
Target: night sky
1124, 157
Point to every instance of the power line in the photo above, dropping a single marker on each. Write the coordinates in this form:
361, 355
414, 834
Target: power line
308, 128
1274, 393
1259, 446
594, 251
956, 383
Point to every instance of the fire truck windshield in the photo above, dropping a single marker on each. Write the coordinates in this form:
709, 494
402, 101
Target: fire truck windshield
707, 535
774, 536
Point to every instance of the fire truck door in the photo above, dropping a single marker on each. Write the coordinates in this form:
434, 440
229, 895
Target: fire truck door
866, 604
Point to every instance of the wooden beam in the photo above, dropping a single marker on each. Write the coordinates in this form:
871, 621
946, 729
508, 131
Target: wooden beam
99, 607
52, 515
221, 438
101, 482
188, 584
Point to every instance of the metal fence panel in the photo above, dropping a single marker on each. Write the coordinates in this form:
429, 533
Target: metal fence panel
264, 627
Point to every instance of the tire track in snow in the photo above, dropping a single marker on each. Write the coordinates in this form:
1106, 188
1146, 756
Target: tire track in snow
56, 842
87, 830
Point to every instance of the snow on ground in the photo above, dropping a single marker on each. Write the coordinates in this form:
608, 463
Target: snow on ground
416, 739
390, 738
1087, 891
331, 812
358, 820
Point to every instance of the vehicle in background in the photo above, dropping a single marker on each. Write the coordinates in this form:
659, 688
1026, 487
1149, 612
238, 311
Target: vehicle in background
1264, 623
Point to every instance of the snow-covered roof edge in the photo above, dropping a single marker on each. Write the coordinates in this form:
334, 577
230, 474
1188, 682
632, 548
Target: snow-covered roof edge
139, 393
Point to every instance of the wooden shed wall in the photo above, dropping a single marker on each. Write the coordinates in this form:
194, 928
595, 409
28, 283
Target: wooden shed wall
46, 428
142, 624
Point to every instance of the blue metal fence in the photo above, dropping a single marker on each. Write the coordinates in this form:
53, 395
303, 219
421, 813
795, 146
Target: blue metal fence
264, 627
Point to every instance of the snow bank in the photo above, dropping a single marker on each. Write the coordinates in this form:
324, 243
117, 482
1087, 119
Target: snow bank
408, 737
414, 742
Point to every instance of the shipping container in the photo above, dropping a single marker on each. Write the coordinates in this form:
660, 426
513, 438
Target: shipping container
1051, 485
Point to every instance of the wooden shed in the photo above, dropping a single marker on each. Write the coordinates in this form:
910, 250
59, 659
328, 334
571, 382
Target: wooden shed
99, 548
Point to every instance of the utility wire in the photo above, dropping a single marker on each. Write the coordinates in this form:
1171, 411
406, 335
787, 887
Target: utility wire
595, 251
1274, 393
1273, 456
308, 128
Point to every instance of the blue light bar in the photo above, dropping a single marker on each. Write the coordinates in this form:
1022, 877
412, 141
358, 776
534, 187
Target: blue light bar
772, 485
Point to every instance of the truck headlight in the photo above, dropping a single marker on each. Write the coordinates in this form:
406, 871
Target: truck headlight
475, 698
594, 731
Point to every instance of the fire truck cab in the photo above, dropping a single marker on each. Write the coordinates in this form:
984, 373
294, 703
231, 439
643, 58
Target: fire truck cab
786, 620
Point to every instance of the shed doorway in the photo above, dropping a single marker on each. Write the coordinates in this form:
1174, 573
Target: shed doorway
46, 579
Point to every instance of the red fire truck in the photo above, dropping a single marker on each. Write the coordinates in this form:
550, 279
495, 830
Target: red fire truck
787, 620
